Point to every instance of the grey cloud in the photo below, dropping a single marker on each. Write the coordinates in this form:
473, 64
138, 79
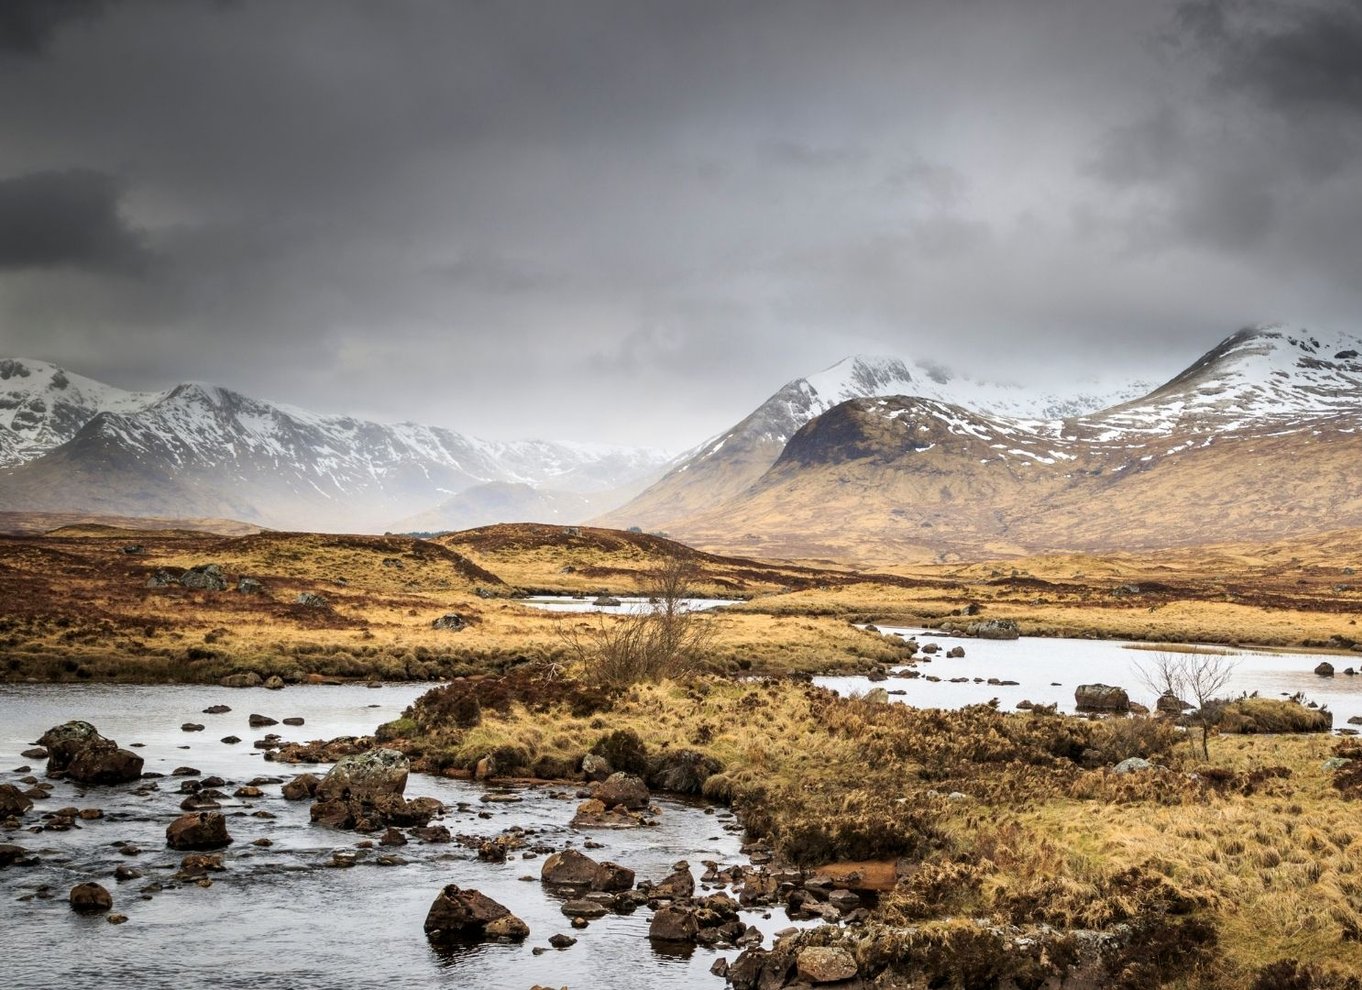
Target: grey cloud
525, 218
28, 27
1143, 151
1293, 57
67, 219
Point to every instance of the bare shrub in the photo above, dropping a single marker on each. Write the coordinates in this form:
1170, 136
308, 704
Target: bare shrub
664, 640
1199, 677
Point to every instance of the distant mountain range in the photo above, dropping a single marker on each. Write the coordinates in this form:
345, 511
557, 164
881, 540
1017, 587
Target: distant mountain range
68, 443
871, 459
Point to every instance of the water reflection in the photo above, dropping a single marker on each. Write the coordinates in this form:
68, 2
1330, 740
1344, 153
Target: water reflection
1048, 671
283, 916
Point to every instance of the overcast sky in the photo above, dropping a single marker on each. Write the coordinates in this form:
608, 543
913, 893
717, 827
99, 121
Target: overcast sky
631, 221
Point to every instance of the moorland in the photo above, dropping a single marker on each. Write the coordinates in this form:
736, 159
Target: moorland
984, 848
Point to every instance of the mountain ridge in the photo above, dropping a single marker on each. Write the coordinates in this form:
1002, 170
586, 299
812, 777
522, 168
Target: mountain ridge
206, 450
1258, 439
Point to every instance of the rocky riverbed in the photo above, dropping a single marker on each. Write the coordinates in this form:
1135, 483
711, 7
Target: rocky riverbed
290, 902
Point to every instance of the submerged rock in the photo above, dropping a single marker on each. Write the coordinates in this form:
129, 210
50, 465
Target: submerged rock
90, 898
198, 830
469, 915
77, 751
13, 802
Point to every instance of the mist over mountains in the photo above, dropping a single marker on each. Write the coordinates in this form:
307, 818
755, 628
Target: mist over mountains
873, 456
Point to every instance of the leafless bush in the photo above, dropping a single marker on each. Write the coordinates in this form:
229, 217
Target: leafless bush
664, 640
1196, 677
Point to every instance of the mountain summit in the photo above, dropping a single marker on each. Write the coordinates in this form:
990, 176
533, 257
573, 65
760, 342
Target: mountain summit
1257, 439
724, 466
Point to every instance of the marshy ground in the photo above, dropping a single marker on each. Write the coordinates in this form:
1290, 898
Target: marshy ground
966, 830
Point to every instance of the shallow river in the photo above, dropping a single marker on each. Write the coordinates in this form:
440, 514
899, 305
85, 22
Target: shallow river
1048, 670
280, 917
632, 606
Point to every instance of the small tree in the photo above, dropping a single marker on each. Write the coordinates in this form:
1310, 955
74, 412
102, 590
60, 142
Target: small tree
664, 639
1199, 676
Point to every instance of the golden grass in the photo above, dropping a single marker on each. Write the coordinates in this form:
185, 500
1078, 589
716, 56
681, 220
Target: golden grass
1256, 842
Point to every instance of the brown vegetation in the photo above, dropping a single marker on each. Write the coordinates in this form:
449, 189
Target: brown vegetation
1009, 820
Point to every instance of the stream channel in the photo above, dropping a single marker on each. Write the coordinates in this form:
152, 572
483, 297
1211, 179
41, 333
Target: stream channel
282, 917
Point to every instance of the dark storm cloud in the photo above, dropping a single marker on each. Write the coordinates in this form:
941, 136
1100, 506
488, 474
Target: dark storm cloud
28, 27
67, 219
1291, 56
519, 218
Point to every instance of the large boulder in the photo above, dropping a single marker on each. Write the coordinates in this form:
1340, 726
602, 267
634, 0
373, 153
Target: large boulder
13, 802
673, 924
366, 776
64, 741
302, 786
569, 868
77, 751
621, 789
198, 830
105, 765
825, 964
993, 629
90, 898
683, 771
1325, 669
1101, 698
470, 916
205, 577
678, 885
364, 792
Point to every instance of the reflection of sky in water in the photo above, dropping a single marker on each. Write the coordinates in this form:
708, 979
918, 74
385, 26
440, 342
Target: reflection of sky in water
1038, 663
280, 918
587, 603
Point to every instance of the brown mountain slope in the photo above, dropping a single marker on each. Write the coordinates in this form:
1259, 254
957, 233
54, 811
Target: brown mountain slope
877, 480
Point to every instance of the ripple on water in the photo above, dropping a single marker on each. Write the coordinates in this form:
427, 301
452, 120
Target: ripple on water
280, 917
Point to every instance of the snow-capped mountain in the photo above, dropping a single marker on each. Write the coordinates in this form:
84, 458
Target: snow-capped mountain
1258, 439
1260, 378
73, 444
42, 407
725, 465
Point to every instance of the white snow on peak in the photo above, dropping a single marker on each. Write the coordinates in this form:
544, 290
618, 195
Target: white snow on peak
867, 376
42, 406
1259, 377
